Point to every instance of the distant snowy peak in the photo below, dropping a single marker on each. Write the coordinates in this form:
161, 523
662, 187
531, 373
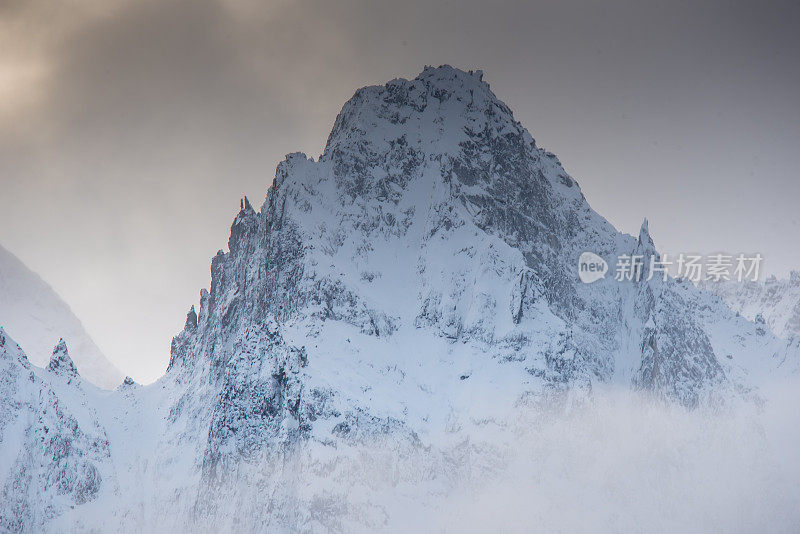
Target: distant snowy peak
37, 318
776, 301
60, 362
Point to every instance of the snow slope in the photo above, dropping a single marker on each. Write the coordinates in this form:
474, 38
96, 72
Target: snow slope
54, 453
37, 318
774, 302
397, 318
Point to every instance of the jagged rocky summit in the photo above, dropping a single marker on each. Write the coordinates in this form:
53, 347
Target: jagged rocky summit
413, 285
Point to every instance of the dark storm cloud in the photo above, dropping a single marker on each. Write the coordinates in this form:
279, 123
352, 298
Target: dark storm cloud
129, 129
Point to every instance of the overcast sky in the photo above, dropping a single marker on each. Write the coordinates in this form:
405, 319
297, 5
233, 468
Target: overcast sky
130, 129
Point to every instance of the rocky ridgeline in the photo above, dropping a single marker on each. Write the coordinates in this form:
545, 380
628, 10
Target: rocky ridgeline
415, 282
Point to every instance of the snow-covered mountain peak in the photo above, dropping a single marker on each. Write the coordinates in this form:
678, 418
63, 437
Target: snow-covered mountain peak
444, 116
127, 384
431, 215
433, 108
447, 73
60, 362
415, 286
444, 96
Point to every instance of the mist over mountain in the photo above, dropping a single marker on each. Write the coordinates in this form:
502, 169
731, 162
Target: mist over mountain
774, 303
37, 318
398, 339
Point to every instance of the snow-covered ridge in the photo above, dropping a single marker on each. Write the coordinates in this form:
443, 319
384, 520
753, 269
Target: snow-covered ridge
775, 302
415, 287
54, 453
38, 318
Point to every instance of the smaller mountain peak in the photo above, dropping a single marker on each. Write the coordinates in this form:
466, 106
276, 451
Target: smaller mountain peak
645, 240
191, 319
245, 208
644, 231
246, 221
60, 362
794, 277
128, 383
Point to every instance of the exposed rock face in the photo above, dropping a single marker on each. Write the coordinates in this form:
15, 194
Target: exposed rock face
418, 281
